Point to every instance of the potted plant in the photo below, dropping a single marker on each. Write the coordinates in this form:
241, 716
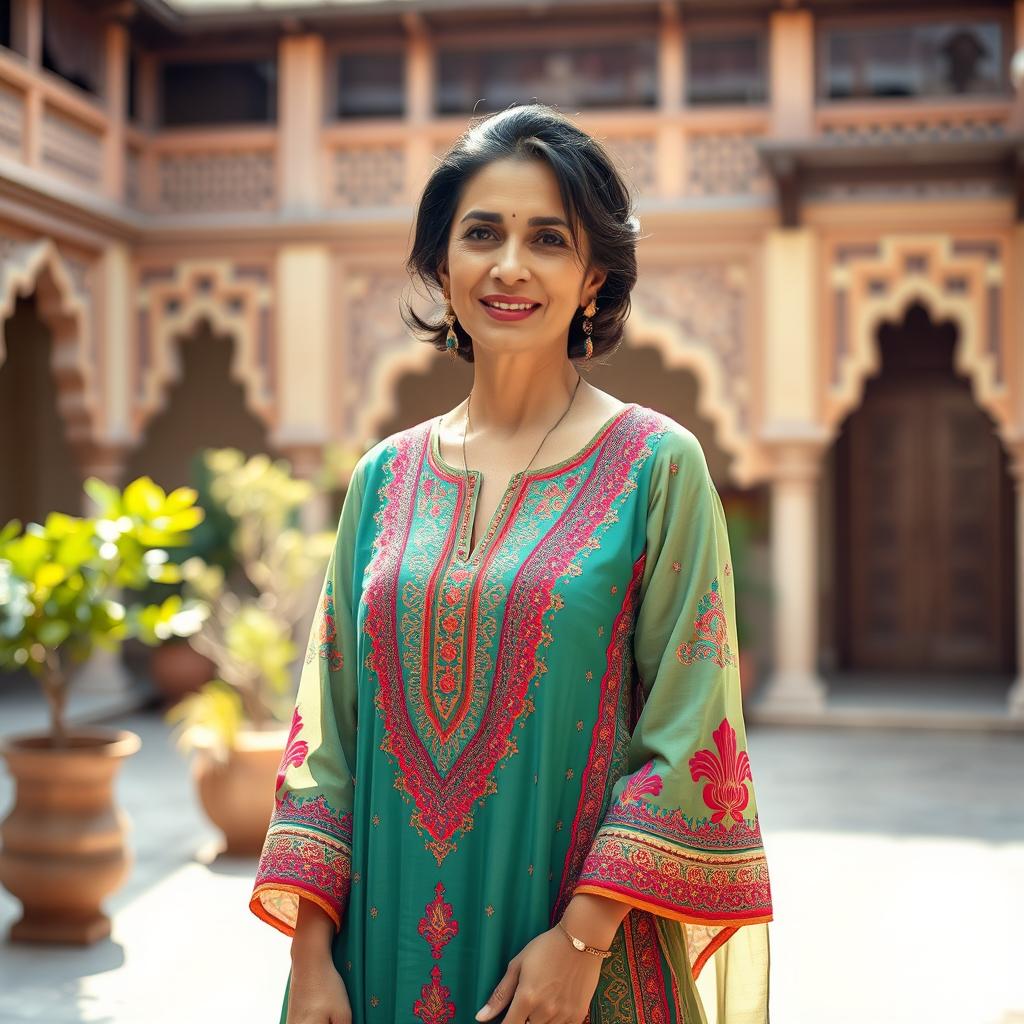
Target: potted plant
175, 666
236, 725
62, 847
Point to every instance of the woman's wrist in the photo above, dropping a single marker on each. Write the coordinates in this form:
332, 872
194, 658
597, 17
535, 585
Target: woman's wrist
594, 919
314, 934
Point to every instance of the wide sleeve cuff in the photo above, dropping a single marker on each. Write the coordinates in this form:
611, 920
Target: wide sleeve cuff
667, 879
307, 854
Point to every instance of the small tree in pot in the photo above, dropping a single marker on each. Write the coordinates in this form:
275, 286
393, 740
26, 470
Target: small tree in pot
236, 725
61, 585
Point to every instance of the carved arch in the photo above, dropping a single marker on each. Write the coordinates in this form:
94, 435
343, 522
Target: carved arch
960, 280
62, 302
235, 300
697, 318
385, 376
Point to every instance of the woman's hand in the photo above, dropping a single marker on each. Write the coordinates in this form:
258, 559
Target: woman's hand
548, 982
317, 994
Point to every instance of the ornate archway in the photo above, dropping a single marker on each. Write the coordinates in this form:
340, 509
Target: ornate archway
698, 318
959, 279
236, 300
62, 302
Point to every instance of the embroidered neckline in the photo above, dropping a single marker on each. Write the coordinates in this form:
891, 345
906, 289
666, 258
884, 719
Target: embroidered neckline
472, 555
441, 462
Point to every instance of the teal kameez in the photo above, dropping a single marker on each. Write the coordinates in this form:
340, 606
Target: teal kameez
478, 735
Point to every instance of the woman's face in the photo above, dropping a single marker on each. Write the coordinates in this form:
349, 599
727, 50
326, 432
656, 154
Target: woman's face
510, 242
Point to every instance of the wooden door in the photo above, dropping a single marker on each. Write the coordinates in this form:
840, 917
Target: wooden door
925, 531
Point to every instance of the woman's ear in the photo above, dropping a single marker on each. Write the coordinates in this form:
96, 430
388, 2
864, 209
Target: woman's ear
595, 279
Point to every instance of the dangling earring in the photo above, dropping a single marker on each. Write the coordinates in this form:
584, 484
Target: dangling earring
588, 327
451, 342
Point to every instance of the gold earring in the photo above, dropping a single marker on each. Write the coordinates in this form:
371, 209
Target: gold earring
451, 342
588, 327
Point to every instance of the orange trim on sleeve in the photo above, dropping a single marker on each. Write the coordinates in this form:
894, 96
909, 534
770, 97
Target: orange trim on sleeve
661, 911
257, 907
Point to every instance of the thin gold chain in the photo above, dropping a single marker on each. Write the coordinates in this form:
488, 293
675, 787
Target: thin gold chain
470, 506
465, 429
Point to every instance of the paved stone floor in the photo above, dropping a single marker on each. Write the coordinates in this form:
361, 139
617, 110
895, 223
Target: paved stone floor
897, 863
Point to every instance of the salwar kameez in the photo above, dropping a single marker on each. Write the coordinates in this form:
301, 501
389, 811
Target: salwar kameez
478, 734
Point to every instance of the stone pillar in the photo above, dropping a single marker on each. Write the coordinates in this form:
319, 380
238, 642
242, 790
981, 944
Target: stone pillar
27, 36
794, 685
671, 145
309, 373
419, 104
793, 437
792, 74
300, 117
114, 316
306, 461
116, 45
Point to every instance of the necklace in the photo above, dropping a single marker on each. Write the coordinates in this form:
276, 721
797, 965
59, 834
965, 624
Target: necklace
465, 430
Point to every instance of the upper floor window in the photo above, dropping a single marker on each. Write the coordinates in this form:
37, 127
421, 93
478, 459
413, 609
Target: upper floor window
370, 85
928, 58
218, 92
569, 75
726, 66
73, 44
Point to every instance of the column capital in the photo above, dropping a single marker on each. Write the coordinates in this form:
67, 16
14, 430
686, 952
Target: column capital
306, 457
795, 449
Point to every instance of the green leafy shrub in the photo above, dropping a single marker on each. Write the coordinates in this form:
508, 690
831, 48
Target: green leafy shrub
257, 606
62, 583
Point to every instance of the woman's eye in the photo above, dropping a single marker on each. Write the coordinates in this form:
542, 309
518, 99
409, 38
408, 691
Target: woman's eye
545, 236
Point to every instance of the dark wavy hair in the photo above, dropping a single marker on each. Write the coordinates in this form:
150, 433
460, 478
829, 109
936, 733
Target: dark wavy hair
594, 193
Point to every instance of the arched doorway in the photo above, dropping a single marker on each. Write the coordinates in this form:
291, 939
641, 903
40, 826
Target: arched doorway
924, 538
38, 472
204, 408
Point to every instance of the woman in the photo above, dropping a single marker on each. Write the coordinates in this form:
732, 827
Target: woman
546, 811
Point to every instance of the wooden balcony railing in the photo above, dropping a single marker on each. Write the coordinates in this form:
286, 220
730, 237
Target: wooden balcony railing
64, 134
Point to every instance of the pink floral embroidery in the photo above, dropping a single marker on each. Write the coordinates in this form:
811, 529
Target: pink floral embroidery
328, 634
438, 926
295, 750
434, 1006
641, 783
711, 639
726, 793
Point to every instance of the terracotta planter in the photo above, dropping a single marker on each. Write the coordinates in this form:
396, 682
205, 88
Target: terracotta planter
62, 847
178, 669
238, 797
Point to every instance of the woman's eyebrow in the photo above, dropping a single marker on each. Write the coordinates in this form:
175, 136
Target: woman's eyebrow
496, 218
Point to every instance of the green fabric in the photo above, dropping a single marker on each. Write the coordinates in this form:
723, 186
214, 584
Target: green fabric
475, 741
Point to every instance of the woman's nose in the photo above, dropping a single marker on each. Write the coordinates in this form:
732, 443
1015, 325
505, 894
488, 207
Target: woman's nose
509, 265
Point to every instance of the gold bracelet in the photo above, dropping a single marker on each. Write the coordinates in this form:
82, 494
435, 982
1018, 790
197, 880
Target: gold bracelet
582, 946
